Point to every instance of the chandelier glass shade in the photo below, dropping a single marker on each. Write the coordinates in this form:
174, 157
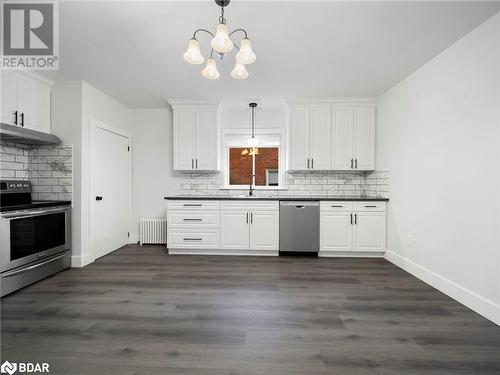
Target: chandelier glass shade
221, 43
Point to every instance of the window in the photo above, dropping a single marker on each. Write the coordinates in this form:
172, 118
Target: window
242, 166
263, 163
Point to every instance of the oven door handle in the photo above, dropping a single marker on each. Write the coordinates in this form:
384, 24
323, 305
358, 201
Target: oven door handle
16, 272
18, 215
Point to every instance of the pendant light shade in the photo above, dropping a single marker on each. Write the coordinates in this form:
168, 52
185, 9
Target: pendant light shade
252, 141
245, 55
193, 54
221, 42
210, 71
239, 72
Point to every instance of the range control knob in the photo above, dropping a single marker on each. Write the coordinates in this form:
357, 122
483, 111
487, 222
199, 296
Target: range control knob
19, 185
12, 185
25, 185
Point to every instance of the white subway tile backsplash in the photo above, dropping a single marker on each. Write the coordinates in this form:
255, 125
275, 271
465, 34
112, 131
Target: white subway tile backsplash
331, 184
49, 168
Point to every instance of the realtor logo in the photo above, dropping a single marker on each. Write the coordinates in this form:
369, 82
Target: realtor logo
30, 35
8, 368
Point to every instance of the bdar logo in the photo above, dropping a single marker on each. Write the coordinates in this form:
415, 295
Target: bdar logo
8, 368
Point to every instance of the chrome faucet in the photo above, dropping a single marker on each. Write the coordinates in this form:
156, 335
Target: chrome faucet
250, 193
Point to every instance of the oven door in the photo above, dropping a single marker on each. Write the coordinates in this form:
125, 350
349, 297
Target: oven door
31, 235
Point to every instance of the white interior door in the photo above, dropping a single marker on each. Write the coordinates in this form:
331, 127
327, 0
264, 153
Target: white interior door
110, 199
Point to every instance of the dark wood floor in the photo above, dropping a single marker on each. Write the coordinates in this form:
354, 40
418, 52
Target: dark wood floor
140, 311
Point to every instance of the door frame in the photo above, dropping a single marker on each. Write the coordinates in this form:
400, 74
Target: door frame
94, 125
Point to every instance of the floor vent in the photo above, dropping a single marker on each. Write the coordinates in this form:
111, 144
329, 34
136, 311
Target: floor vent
153, 232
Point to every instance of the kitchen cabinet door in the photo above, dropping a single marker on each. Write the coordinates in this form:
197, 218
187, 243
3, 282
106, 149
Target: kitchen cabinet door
34, 104
369, 231
342, 138
264, 230
364, 138
336, 231
235, 229
206, 140
9, 97
320, 138
299, 139
184, 139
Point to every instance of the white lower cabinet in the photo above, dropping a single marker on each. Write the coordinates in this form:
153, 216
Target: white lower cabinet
223, 227
352, 227
235, 230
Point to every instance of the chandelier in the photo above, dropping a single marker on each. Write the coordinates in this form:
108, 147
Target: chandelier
221, 44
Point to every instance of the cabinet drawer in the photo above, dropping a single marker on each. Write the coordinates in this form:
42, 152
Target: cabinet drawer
336, 206
251, 205
193, 239
193, 218
369, 206
193, 205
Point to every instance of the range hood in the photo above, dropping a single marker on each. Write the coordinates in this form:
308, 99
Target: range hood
26, 136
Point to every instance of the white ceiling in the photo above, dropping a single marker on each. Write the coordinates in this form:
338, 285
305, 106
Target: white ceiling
132, 50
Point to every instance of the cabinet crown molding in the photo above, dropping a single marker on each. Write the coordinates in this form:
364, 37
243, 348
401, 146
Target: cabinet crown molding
368, 101
192, 103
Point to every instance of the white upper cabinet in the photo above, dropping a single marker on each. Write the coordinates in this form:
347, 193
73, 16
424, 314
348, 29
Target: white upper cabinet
364, 138
194, 137
310, 133
332, 135
299, 139
25, 100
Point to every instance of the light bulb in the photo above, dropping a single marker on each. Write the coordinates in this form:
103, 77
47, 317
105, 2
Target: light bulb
245, 55
239, 72
210, 71
253, 142
221, 42
193, 54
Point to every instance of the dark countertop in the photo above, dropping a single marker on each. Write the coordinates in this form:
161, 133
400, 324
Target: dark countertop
277, 198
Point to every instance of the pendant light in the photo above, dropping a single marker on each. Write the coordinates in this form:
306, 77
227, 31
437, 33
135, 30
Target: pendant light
252, 141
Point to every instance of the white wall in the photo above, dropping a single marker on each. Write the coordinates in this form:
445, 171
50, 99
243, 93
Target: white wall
154, 177
439, 135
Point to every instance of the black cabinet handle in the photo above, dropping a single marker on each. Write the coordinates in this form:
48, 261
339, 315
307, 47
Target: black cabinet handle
312, 163
15, 117
22, 119
352, 161
251, 217
356, 163
356, 219
192, 163
98, 198
192, 204
188, 219
371, 206
337, 206
196, 163
247, 217
307, 163
351, 219
192, 239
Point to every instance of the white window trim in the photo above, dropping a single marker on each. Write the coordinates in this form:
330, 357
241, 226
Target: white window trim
229, 139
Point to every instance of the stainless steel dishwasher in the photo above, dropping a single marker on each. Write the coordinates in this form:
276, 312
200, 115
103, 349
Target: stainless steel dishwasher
299, 226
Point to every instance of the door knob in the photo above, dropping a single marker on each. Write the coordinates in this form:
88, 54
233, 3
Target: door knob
98, 198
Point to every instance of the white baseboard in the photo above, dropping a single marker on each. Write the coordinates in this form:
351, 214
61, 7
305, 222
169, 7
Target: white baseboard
351, 254
78, 261
473, 301
192, 251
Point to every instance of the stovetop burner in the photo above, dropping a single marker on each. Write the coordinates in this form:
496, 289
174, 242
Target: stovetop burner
16, 196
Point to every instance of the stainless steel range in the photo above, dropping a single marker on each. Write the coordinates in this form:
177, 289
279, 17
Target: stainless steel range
35, 236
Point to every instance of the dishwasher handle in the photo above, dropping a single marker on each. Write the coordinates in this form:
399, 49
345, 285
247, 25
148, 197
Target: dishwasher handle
300, 204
